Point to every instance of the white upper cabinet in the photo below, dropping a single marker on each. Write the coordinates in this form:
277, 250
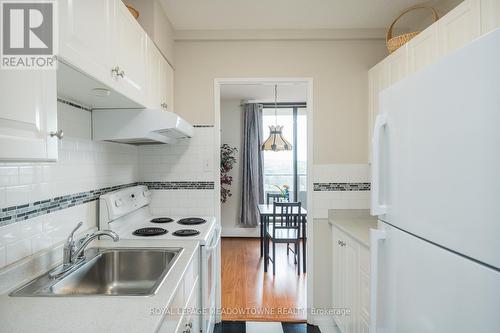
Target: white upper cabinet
129, 68
490, 15
153, 75
460, 26
102, 40
86, 28
167, 85
397, 65
160, 76
466, 22
28, 115
423, 49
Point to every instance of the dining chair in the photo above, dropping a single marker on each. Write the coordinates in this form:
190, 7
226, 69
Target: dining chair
284, 227
274, 197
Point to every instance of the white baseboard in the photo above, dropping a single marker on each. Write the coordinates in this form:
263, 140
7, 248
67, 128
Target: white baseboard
240, 232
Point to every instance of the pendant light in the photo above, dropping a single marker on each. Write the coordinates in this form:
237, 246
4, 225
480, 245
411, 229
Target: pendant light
276, 141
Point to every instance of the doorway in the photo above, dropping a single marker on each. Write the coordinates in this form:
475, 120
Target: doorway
247, 293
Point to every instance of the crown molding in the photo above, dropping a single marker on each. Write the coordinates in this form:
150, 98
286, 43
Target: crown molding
281, 35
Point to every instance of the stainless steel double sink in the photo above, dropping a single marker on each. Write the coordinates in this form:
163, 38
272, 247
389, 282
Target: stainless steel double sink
109, 272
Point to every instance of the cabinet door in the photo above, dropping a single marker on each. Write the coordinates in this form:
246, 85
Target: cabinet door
351, 278
397, 65
85, 28
459, 27
28, 115
167, 85
153, 76
337, 277
193, 320
129, 68
490, 15
423, 50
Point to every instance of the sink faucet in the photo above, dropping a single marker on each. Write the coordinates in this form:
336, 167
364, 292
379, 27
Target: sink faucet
73, 255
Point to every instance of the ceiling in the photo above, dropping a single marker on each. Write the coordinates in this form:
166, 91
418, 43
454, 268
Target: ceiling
264, 93
288, 14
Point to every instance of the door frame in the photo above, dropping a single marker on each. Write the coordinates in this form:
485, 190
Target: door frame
218, 82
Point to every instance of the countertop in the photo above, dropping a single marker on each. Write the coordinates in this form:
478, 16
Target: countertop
355, 222
97, 314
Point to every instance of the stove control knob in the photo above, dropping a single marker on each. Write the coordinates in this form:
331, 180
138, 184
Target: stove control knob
118, 202
146, 193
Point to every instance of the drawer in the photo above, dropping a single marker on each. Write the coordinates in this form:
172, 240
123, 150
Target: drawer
364, 260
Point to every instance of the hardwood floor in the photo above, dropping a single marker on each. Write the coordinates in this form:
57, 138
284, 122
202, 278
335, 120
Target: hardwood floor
249, 294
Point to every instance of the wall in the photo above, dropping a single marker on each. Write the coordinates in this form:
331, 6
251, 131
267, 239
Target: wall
231, 133
83, 166
339, 69
181, 176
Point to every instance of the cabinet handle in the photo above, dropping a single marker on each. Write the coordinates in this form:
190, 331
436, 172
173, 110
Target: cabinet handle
190, 325
59, 134
341, 243
118, 72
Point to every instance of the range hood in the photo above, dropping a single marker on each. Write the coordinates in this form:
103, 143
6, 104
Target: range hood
139, 126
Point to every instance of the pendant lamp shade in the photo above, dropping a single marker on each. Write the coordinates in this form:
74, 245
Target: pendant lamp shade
276, 141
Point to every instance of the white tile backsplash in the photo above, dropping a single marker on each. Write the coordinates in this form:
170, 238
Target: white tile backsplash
83, 165
17, 250
184, 161
340, 173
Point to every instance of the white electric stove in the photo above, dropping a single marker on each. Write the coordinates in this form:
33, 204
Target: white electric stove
127, 213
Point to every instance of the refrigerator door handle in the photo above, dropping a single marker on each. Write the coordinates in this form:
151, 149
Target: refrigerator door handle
376, 236
377, 207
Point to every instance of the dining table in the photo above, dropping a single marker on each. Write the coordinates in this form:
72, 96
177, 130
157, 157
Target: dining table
266, 213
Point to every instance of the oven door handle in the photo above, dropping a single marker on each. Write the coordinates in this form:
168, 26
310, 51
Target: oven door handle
213, 247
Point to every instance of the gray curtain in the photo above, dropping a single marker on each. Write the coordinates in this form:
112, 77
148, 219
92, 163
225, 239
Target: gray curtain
252, 162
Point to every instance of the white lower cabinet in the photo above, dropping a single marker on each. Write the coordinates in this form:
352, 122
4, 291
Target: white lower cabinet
351, 283
183, 312
28, 115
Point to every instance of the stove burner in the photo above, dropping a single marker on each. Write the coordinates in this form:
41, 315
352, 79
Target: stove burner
192, 221
162, 220
149, 231
185, 232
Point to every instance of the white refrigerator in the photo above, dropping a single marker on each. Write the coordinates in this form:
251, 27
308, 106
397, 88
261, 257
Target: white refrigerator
436, 192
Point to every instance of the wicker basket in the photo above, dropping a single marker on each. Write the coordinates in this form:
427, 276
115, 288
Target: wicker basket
133, 11
394, 43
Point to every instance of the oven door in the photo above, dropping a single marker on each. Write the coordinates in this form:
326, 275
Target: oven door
209, 281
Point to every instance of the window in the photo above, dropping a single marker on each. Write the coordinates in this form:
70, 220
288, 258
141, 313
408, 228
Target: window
287, 167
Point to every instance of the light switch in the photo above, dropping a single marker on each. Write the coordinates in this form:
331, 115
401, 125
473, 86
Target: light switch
206, 165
